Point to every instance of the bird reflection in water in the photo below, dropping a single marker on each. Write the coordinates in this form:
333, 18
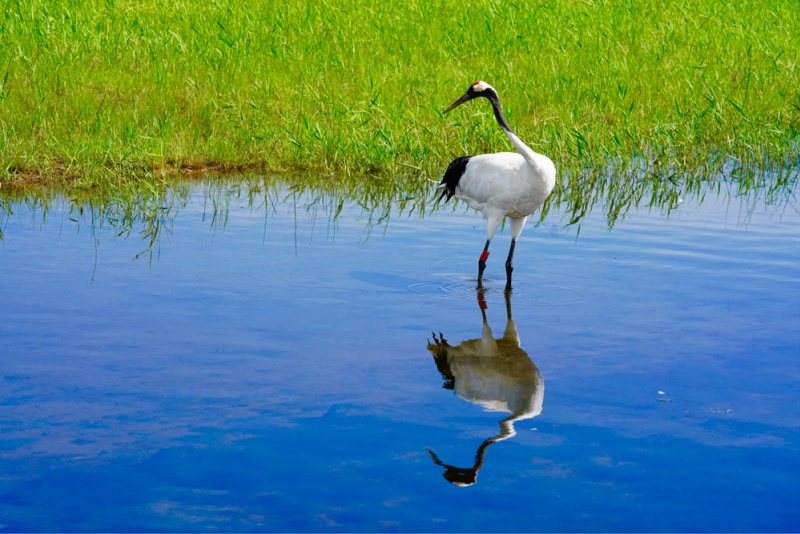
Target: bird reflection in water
494, 373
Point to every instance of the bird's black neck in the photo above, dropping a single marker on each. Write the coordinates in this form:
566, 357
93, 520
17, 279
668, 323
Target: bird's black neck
498, 111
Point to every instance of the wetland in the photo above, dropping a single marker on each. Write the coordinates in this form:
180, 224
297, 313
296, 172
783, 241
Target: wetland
229, 300
246, 354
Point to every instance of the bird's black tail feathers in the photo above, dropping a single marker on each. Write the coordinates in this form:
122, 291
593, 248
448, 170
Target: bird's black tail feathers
452, 176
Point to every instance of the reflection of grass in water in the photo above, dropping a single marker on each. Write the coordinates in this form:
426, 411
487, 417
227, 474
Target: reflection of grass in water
144, 208
616, 190
97, 91
148, 209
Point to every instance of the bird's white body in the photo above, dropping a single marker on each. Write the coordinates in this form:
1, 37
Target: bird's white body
497, 375
505, 184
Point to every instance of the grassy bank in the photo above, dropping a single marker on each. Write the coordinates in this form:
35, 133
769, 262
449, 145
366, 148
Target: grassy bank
96, 92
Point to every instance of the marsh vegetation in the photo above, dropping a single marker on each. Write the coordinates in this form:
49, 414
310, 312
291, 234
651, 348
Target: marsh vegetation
266, 362
101, 93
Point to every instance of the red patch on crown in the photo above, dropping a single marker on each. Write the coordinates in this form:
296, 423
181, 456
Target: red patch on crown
476, 82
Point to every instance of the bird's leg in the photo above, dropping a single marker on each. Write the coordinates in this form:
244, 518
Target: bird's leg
510, 265
482, 263
482, 305
482, 301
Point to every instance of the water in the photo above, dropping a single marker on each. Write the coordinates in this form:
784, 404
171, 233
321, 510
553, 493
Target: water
267, 366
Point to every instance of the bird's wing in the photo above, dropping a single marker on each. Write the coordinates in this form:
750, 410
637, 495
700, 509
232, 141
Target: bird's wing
489, 176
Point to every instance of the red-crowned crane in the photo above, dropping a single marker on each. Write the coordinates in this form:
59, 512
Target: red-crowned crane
505, 184
495, 373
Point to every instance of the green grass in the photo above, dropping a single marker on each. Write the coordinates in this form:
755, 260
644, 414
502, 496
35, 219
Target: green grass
102, 93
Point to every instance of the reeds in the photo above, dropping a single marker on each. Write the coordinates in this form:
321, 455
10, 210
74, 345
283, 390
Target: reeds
96, 93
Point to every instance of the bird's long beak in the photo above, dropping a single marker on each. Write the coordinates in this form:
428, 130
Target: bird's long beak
464, 98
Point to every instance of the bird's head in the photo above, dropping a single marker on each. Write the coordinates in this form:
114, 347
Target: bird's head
479, 88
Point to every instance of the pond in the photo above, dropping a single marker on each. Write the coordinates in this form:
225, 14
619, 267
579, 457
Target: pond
247, 356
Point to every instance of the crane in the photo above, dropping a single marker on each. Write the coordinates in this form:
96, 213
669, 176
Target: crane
500, 185
495, 373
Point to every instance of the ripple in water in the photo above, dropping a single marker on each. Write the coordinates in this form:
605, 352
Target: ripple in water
530, 290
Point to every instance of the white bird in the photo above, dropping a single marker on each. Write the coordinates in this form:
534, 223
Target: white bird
500, 185
495, 373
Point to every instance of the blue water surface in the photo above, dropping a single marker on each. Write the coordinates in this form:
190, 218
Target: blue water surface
279, 366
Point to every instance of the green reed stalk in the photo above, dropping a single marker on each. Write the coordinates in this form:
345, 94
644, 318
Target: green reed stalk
100, 93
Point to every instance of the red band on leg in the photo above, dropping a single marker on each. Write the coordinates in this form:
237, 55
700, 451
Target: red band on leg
484, 255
